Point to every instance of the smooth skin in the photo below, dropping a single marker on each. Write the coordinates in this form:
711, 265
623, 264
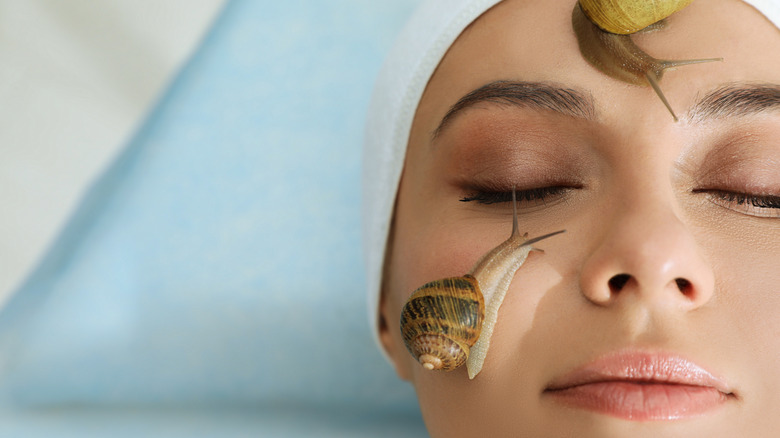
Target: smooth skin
646, 201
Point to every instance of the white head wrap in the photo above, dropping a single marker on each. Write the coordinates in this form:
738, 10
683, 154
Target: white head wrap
406, 71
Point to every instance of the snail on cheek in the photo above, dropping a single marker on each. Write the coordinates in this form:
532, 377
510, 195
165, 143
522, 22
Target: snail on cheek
604, 27
449, 322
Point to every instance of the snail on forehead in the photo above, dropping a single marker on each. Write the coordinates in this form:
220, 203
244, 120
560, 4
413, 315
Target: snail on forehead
449, 322
604, 27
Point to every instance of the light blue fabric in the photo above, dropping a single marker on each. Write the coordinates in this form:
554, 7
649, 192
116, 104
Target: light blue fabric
217, 263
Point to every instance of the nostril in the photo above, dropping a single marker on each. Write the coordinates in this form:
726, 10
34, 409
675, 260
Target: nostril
684, 286
617, 282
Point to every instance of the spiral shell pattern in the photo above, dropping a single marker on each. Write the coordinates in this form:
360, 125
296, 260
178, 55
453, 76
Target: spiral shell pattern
442, 320
629, 16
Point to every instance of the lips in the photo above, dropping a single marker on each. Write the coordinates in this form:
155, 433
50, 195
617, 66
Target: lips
642, 387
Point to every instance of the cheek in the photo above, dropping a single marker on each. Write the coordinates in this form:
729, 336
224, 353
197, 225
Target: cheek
454, 406
424, 251
749, 296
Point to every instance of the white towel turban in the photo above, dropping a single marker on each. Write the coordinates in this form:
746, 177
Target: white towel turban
400, 85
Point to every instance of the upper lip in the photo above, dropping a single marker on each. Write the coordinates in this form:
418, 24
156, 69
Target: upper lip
641, 367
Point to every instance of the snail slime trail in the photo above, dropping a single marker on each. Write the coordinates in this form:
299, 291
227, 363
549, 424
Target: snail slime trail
603, 29
449, 322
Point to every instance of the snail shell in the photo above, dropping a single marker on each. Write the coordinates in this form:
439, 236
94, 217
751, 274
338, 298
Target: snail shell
442, 321
626, 17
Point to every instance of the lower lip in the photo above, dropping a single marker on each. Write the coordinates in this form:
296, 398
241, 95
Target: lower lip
640, 401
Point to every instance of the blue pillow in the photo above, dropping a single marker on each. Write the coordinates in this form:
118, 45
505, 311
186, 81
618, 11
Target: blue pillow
217, 263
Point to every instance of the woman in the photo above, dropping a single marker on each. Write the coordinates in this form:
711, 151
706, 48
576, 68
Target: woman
655, 314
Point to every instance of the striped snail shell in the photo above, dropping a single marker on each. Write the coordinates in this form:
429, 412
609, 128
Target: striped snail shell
626, 17
449, 322
442, 321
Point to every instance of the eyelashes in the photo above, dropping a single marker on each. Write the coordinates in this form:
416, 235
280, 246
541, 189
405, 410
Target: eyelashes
534, 196
749, 204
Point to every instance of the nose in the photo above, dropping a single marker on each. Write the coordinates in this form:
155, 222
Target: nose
650, 254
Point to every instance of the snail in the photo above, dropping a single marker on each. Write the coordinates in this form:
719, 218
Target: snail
604, 27
448, 322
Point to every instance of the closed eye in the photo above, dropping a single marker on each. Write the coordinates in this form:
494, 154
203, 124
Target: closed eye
745, 203
530, 197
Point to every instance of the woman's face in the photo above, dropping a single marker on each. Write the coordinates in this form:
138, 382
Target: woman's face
670, 266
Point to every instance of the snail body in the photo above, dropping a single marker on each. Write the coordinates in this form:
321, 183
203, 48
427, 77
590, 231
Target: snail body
449, 322
617, 56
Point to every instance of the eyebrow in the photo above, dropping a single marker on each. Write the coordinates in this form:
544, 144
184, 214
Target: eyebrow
735, 100
536, 95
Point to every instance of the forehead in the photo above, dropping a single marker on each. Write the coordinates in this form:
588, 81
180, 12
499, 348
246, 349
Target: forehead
534, 41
